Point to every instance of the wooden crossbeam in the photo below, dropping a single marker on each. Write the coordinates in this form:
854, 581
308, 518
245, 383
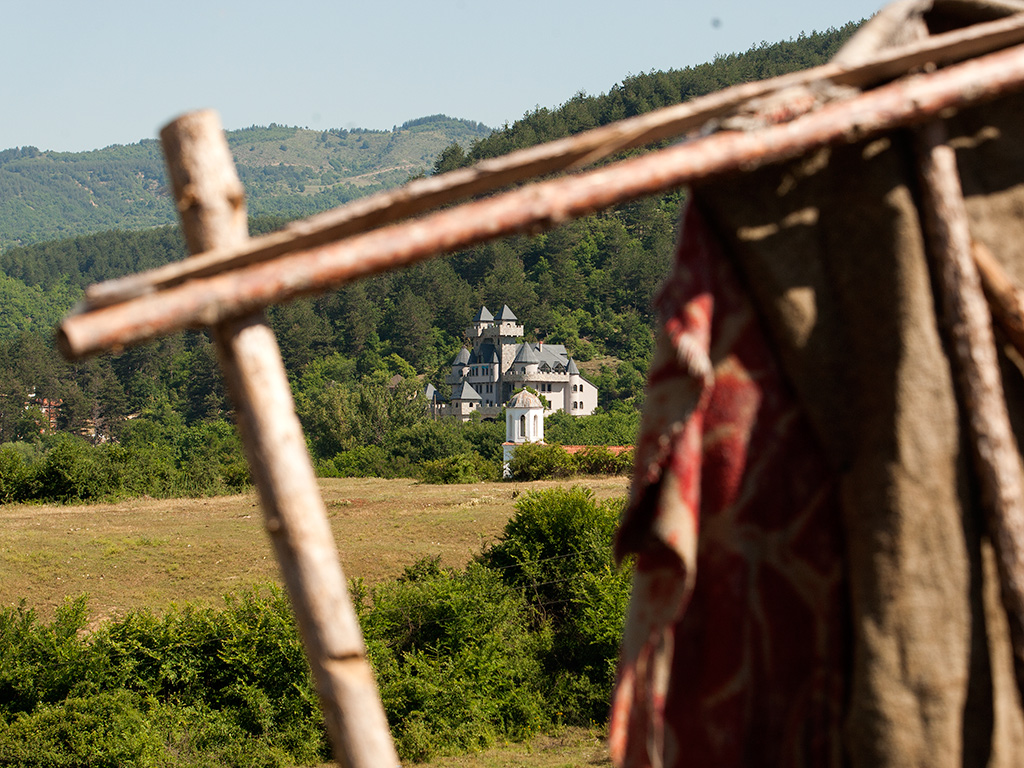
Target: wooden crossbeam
208, 300
570, 153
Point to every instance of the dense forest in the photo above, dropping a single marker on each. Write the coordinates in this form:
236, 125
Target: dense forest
588, 284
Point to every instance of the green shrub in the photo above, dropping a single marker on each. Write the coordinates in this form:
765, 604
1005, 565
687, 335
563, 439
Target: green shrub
456, 660
557, 550
369, 461
624, 463
523, 638
536, 461
227, 687
106, 730
210, 459
429, 441
461, 468
617, 426
486, 437
71, 470
596, 460
15, 472
43, 663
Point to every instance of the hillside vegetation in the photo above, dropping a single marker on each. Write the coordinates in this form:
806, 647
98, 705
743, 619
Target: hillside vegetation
588, 285
286, 170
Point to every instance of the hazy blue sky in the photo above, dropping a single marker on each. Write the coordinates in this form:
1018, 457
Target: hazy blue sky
80, 75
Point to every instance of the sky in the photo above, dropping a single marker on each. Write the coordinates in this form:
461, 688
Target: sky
80, 75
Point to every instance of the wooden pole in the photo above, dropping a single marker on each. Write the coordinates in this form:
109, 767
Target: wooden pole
209, 300
1005, 296
569, 153
996, 457
211, 203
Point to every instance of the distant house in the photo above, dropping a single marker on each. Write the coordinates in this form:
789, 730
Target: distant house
484, 378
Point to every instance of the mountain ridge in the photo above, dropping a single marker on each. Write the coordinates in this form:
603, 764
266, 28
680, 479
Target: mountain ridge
287, 171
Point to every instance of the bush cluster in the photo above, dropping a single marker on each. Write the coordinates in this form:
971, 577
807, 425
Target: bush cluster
202, 459
537, 461
521, 640
442, 451
192, 687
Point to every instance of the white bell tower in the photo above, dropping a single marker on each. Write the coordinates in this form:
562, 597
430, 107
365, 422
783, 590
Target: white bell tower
524, 418
524, 423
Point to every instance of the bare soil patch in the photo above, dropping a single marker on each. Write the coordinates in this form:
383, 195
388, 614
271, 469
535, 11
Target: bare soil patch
154, 552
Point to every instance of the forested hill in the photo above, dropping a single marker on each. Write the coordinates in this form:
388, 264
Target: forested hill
588, 285
286, 170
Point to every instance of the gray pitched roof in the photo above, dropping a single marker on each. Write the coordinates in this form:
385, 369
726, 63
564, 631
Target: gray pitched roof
526, 355
572, 369
483, 316
462, 358
433, 394
552, 354
506, 314
464, 391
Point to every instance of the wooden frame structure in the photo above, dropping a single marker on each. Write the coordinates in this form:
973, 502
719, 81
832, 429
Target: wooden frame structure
230, 279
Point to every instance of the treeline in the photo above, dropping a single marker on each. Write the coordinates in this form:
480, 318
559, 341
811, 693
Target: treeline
521, 640
588, 285
154, 420
645, 92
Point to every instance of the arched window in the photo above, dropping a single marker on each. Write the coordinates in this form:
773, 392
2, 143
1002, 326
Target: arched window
522, 426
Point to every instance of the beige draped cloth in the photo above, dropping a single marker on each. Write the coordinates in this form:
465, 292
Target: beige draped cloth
821, 591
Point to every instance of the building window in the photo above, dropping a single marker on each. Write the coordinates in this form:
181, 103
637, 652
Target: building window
522, 426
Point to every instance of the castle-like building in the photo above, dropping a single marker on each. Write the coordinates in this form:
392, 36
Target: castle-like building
484, 379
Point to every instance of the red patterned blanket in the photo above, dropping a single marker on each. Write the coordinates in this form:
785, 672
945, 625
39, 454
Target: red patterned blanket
734, 648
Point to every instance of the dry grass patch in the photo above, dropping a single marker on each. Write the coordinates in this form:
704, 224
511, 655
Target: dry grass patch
150, 552
571, 748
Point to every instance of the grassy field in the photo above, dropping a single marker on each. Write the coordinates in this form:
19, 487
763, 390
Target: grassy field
573, 748
151, 552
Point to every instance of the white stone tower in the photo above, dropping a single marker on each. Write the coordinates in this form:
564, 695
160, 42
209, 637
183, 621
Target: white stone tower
524, 423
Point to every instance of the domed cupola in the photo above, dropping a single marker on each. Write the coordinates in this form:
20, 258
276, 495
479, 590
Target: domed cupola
524, 418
